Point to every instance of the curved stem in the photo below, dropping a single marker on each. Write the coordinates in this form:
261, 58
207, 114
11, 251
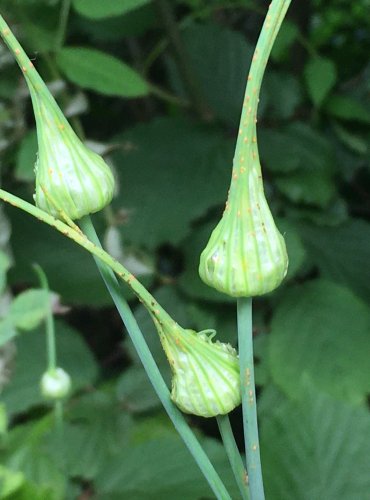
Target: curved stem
252, 449
152, 370
233, 454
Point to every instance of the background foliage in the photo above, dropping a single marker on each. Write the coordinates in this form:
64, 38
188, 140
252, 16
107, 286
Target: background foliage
161, 100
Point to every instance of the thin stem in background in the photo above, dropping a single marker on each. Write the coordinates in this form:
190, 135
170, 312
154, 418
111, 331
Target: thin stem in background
63, 21
50, 330
138, 340
252, 449
50, 343
233, 454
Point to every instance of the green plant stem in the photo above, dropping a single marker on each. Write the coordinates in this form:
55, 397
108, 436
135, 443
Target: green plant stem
63, 20
149, 364
132, 327
50, 330
252, 448
233, 454
50, 343
58, 412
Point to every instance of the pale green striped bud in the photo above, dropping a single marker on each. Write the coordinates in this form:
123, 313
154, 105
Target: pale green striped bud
205, 378
55, 384
69, 176
245, 255
71, 180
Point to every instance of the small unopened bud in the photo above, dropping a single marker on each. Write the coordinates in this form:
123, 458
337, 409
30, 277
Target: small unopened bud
205, 378
70, 178
55, 384
245, 255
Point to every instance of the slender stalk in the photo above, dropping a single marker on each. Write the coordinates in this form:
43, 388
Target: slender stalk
246, 148
252, 449
50, 330
63, 20
145, 355
233, 454
58, 412
50, 343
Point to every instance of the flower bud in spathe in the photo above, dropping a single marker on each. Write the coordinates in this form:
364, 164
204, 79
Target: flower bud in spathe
246, 254
55, 384
205, 374
70, 178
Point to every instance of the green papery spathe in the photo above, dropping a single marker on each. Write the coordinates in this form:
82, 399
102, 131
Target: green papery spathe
69, 176
205, 379
246, 255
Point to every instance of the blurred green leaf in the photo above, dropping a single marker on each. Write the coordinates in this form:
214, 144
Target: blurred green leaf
135, 392
295, 248
158, 470
96, 9
26, 157
39, 23
165, 184
23, 391
7, 331
189, 280
71, 271
220, 58
320, 332
101, 72
342, 253
320, 75
3, 420
353, 141
320, 440
97, 428
280, 95
133, 23
297, 146
314, 188
10, 482
4, 266
348, 108
29, 309
285, 38
26, 452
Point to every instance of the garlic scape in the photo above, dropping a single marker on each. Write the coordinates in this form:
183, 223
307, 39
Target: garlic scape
70, 178
205, 374
246, 255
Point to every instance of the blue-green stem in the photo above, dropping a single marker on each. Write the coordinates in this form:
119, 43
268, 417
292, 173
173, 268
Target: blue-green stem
50, 340
252, 447
233, 454
152, 370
